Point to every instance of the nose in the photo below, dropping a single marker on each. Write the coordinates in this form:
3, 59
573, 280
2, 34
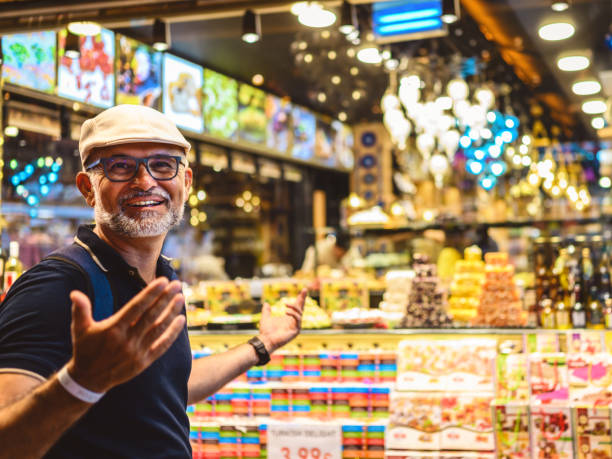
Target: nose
143, 179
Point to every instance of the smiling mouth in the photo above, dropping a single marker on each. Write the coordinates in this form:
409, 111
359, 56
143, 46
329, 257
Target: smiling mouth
142, 204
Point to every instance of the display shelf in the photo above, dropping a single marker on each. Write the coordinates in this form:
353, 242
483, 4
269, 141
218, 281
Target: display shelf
463, 225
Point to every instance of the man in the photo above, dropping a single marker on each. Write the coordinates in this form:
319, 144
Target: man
333, 251
118, 387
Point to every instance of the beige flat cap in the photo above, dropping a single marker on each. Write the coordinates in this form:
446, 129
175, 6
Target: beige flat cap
129, 124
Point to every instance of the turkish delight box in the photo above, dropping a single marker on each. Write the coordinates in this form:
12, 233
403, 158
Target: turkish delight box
274, 291
548, 378
511, 378
420, 365
340, 295
511, 424
551, 432
414, 422
221, 295
470, 365
592, 439
467, 423
590, 375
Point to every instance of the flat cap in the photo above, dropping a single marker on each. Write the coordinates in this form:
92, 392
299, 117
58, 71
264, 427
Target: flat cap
129, 124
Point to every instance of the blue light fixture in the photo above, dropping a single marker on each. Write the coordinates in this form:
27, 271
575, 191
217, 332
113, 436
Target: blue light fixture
474, 167
487, 182
403, 20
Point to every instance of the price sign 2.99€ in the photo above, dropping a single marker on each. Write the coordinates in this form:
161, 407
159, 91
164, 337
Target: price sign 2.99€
304, 441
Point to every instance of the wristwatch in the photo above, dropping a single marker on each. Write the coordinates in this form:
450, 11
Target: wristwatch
261, 351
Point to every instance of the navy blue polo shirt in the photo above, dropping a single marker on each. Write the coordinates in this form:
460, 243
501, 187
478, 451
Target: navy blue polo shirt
144, 417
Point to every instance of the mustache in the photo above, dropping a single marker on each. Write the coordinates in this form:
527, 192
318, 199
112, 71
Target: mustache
160, 194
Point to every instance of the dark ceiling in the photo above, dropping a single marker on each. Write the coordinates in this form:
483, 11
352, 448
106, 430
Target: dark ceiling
500, 34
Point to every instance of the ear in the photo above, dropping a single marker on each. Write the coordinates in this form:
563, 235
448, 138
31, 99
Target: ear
83, 183
188, 181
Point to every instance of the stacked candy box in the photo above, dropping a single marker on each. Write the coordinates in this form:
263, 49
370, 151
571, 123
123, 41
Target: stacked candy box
548, 378
466, 287
511, 425
511, 378
466, 422
592, 424
414, 422
397, 291
499, 305
590, 377
360, 441
426, 299
420, 365
551, 432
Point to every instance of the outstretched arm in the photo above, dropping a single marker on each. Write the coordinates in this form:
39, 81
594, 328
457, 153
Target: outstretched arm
209, 374
33, 415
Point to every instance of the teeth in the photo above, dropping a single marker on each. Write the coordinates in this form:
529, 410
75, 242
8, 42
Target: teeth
146, 203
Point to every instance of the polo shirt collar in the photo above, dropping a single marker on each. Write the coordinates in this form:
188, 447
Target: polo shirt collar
108, 259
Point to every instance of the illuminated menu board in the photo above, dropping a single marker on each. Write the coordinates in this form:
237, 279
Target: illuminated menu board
183, 82
278, 131
138, 73
29, 60
220, 105
252, 119
90, 78
304, 132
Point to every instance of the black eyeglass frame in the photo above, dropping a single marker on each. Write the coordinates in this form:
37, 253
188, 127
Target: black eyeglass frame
144, 161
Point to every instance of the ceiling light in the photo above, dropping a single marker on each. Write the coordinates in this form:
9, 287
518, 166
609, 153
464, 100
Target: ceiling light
354, 71
331, 55
598, 122
314, 15
369, 55
161, 35
11, 131
594, 106
251, 27
336, 79
321, 97
257, 79
72, 48
556, 31
356, 95
573, 63
391, 64
586, 87
298, 7
308, 58
450, 11
605, 182
342, 116
87, 28
559, 5
347, 18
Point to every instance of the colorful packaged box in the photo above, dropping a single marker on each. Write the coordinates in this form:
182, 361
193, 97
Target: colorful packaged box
414, 422
275, 290
511, 378
220, 295
593, 440
551, 432
466, 422
590, 375
511, 424
470, 364
548, 381
420, 365
340, 295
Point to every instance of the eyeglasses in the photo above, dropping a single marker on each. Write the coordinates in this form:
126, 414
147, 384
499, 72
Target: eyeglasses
125, 168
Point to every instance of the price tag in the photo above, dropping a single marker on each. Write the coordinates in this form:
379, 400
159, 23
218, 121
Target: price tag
304, 441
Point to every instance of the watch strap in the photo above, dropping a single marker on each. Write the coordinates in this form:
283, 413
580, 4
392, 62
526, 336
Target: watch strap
260, 349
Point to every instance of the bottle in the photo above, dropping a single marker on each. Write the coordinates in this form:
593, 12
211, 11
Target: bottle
603, 275
587, 271
13, 267
547, 316
562, 314
578, 311
561, 269
595, 315
608, 313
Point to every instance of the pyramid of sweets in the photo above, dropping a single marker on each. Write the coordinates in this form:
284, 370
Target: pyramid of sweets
466, 287
500, 304
426, 298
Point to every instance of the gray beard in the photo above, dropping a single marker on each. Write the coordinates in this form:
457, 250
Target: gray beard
148, 225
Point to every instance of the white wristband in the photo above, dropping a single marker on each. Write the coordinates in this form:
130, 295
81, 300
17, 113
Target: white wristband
75, 389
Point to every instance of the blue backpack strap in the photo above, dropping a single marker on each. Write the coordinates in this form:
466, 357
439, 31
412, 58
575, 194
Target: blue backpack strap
77, 255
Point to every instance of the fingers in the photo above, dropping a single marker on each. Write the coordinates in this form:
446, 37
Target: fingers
152, 314
170, 312
132, 311
297, 315
265, 312
81, 312
164, 342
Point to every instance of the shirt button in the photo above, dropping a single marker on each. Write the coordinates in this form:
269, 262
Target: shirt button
131, 272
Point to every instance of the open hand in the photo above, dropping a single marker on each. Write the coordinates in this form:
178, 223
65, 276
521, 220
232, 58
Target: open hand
114, 350
275, 332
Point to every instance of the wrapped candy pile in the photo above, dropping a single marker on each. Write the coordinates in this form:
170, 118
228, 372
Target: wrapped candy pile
426, 299
466, 287
500, 305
